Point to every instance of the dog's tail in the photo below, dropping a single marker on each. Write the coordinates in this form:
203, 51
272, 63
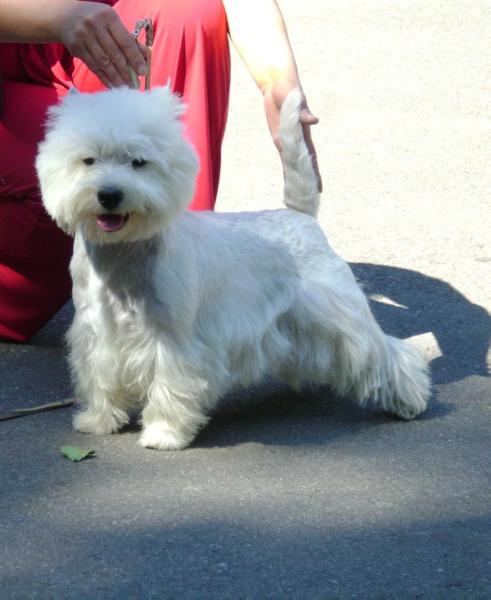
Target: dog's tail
301, 186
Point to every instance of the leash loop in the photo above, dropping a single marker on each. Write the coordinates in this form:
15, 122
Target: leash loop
147, 25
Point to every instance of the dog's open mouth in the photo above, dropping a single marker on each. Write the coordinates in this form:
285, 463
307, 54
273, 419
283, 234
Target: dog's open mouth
112, 222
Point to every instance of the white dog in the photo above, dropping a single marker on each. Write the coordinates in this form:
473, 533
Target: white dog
175, 308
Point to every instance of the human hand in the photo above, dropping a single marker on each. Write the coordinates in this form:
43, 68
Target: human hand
273, 103
94, 33
307, 119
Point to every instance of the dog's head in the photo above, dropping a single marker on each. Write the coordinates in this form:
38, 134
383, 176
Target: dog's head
116, 163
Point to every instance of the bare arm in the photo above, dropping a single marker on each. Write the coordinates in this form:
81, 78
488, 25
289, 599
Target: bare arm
32, 20
90, 31
258, 31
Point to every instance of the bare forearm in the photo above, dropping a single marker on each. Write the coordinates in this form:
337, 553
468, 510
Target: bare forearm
258, 31
33, 20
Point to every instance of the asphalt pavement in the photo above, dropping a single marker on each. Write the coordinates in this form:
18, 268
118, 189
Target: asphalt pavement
289, 495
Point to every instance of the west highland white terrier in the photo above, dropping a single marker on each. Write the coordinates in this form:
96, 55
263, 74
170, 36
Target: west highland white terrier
175, 308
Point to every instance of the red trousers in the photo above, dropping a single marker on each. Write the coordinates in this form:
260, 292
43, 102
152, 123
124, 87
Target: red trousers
190, 50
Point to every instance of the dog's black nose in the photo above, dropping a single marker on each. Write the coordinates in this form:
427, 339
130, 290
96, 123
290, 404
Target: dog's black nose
109, 197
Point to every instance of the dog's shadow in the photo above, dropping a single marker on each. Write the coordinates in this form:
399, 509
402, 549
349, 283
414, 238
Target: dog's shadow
273, 414
421, 305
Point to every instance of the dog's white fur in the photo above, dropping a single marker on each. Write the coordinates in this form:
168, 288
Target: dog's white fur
177, 308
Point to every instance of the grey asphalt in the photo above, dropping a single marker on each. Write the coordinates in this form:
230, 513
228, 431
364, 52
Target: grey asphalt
304, 495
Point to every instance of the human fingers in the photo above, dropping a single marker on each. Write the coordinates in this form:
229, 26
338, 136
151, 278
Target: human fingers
307, 135
111, 59
99, 63
130, 51
114, 49
94, 33
109, 65
306, 117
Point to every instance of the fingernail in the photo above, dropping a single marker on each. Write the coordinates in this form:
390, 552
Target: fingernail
142, 70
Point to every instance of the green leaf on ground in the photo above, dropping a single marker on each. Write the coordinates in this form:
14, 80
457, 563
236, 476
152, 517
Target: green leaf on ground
76, 454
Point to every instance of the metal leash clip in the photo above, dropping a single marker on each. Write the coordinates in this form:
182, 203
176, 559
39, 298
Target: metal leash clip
147, 25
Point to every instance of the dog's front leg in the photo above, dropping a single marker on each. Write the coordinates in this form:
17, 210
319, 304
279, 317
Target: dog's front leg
101, 416
103, 406
171, 419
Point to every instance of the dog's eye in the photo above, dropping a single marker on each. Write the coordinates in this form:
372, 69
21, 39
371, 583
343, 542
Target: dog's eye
138, 163
89, 161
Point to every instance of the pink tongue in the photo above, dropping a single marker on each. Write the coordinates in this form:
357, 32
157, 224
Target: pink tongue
109, 222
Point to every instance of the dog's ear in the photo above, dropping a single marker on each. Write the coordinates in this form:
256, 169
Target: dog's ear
161, 93
165, 96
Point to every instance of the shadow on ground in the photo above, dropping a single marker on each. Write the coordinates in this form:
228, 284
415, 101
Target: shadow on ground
462, 329
227, 558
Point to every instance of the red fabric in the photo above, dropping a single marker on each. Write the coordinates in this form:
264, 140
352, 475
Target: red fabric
190, 50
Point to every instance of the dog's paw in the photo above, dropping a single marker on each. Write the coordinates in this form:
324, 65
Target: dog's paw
161, 437
412, 399
411, 383
407, 410
93, 422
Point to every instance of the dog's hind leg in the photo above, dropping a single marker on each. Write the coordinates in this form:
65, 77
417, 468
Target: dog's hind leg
363, 362
370, 365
